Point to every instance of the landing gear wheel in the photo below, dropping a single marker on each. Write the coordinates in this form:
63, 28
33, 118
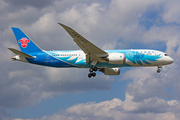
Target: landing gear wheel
93, 74
158, 70
95, 68
89, 75
90, 69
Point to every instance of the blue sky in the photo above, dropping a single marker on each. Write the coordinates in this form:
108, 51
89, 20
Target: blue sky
36, 92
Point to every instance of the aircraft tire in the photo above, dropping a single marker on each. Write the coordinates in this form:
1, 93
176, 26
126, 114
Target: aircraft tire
93, 74
158, 71
90, 69
89, 75
95, 68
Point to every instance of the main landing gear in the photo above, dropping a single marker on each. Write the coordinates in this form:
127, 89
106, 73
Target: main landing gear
159, 70
91, 72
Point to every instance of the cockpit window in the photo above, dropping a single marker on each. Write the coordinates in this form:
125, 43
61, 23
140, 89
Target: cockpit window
165, 55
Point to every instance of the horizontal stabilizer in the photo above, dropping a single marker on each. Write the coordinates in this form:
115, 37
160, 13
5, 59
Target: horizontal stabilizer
17, 52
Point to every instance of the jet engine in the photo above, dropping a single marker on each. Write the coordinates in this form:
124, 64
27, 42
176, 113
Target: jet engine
110, 71
116, 58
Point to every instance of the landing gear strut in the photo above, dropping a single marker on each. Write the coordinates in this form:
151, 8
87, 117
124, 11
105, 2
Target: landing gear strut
91, 72
159, 70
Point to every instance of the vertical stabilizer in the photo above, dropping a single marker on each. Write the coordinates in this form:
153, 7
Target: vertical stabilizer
25, 43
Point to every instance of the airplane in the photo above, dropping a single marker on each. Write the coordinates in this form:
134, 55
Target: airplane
90, 56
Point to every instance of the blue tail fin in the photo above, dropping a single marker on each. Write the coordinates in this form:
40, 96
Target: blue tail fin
25, 43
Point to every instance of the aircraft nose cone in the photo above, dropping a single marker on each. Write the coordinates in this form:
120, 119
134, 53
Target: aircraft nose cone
168, 60
171, 60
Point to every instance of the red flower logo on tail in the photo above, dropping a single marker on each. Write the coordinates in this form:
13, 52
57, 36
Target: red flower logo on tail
24, 42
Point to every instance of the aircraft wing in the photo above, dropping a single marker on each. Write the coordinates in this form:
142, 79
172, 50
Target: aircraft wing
93, 53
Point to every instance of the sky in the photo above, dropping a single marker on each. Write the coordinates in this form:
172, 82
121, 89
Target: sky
32, 92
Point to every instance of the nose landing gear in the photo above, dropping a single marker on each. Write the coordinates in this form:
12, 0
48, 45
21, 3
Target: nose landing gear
159, 70
91, 72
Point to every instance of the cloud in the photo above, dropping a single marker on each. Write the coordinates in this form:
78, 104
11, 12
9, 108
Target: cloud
60, 80
152, 108
171, 12
163, 33
25, 87
4, 115
33, 3
111, 25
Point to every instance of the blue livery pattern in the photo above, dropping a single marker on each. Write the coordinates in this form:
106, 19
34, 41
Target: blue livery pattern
25, 43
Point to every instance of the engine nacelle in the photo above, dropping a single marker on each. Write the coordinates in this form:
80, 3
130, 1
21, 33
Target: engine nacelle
117, 58
110, 71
